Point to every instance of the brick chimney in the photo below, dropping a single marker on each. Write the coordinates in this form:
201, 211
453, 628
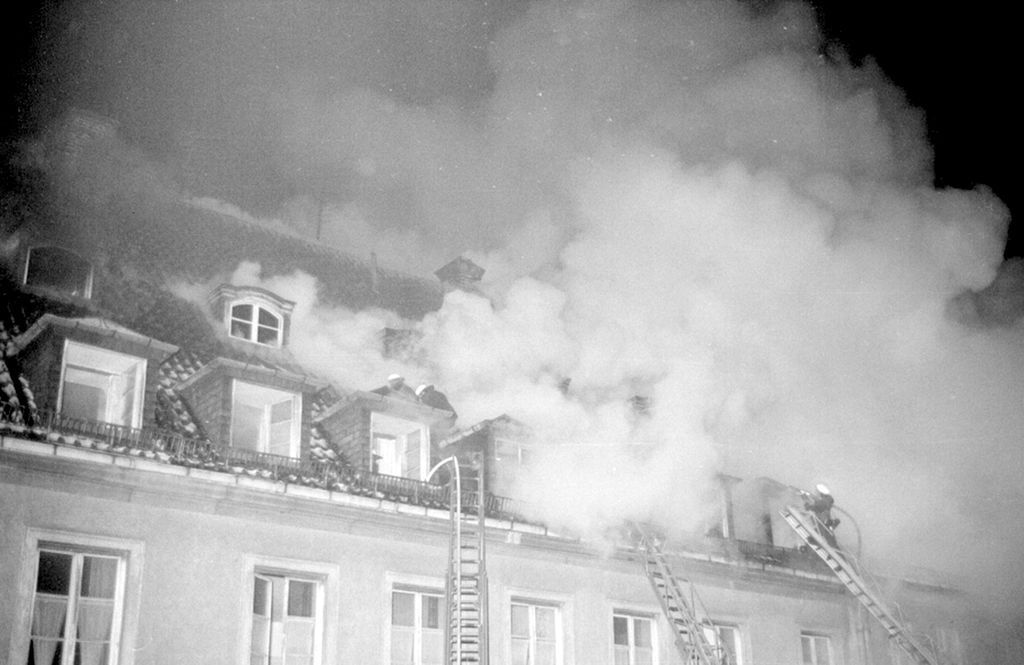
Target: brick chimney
460, 273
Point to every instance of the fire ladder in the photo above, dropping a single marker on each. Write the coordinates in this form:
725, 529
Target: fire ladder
805, 526
691, 640
466, 581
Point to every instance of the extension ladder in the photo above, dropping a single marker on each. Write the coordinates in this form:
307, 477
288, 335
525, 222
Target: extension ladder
804, 525
691, 640
466, 582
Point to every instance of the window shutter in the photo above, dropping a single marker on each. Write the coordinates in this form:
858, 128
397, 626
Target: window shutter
412, 454
281, 427
261, 602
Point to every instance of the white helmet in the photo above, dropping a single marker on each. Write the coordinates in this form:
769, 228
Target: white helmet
822, 489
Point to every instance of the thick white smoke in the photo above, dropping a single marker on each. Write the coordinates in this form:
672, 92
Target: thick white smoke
752, 241
691, 202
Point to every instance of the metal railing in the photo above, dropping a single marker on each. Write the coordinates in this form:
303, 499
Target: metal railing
169, 447
774, 555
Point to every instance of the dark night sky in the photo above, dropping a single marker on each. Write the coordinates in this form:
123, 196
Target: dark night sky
956, 63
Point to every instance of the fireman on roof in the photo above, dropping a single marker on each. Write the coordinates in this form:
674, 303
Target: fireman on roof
432, 397
397, 387
819, 503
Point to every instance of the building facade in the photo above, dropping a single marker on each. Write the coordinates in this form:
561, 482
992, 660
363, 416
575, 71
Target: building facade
177, 488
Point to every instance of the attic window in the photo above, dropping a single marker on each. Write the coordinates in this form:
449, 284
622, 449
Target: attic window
59, 270
101, 385
265, 420
256, 323
253, 314
399, 447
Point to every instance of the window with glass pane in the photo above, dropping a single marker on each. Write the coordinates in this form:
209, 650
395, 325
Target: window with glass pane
255, 323
726, 640
400, 447
817, 649
101, 385
534, 634
265, 419
60, 270
631, 636
76, 609
417, 637
285, 620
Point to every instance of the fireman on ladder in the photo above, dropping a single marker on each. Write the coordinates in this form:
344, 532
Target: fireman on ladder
819, 503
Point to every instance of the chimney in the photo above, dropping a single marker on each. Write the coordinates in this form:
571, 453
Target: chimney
460, 273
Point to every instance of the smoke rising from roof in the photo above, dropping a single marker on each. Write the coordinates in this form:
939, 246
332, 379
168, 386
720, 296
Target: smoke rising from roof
687, 201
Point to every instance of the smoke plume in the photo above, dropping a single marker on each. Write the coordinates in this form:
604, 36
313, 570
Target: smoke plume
692, 202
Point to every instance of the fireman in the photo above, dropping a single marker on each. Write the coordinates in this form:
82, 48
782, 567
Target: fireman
429, 395
819, 503
397, 387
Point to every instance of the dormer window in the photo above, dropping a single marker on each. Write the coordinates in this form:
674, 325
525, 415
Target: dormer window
399, 447
253, 314
102, 385
58, 269
255, 323
265, 420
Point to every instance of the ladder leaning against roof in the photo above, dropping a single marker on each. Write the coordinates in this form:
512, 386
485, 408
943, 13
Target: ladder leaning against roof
805, 526
690, 636
466, 580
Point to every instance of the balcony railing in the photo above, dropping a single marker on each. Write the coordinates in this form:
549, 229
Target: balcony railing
174, 448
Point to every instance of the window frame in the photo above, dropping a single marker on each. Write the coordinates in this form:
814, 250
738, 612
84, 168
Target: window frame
813, 637
424, 443
631, 616
419, 593
86, 287
258, 305
533, 603
518, 452
392, 581
284, 587
141, 371
325, 576
263, 444
715, 638
124, 621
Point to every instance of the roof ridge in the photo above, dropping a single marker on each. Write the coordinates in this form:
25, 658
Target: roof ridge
278, 228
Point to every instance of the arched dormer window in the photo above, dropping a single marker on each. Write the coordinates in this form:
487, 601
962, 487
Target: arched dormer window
60, 270
256, 323
253, 314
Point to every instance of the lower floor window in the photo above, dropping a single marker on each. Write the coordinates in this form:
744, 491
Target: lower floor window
286, 615
632, 639
817, 649
726, 641
534, 634
76, 608
417, 637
